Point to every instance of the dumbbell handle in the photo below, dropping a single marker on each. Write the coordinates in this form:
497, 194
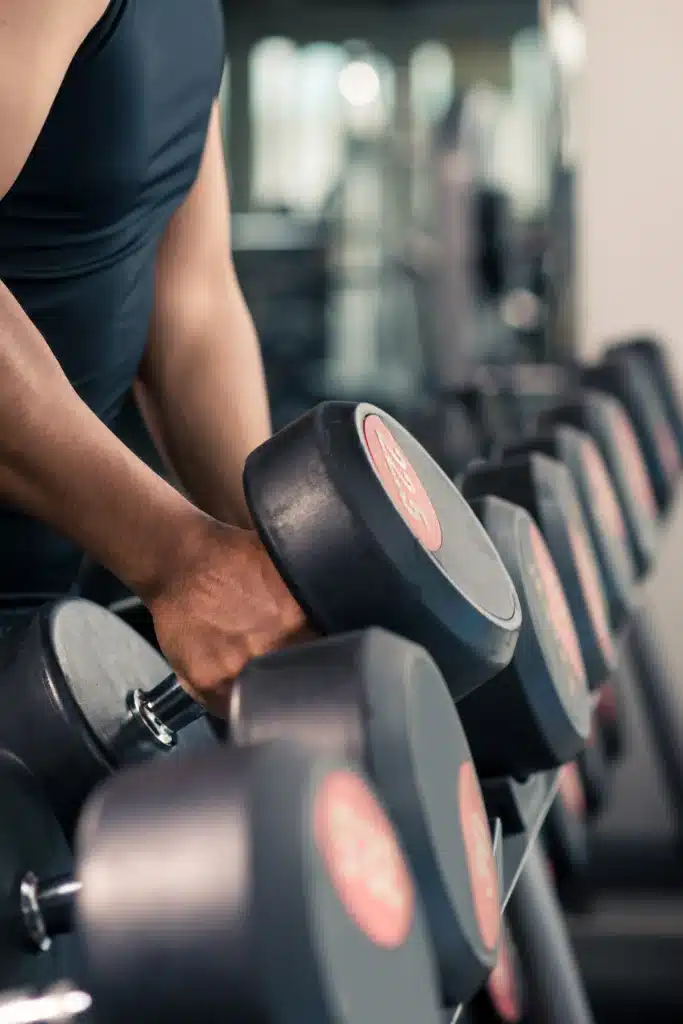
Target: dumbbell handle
47, 907
156, 715
59, 1004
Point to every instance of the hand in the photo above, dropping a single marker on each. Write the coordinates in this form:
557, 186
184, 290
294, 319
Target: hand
225, 605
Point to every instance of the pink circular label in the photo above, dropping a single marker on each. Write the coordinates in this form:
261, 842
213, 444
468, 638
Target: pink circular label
591, 587
668, 450
363, 858
502, 986
602, 491
402, 483
571, 790
553, 598
635, 463
480, 860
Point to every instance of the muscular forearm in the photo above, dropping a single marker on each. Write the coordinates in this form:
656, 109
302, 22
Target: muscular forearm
60, 464
204, 399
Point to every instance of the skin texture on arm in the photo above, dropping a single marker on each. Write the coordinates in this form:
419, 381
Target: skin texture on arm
201, 387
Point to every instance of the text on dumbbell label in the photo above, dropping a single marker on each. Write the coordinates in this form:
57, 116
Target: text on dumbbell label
480, 860
402, 483
363, 858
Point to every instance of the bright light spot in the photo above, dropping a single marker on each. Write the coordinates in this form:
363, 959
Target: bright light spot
567, 38
56, 1006
520, 310
359, 84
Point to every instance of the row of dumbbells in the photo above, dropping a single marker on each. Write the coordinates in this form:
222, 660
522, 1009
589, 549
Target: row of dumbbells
201, 881
624, 416
371, 696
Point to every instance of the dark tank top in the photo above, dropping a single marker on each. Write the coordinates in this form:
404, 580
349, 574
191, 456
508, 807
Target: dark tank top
80, 228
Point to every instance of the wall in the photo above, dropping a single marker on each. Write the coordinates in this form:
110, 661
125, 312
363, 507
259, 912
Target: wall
630, 203
631, 188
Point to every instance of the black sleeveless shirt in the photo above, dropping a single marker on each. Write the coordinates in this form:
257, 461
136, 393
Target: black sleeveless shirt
80, 228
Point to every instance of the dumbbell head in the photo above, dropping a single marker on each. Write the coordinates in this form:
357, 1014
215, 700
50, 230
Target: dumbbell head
503, 999
592, 767
653, 351
566, 838
255, 884
65, 680
367, 530
249, 884
609, 720
545, 488
535, 715
381, 701
30, 839
604, 418
601, 509
631, 382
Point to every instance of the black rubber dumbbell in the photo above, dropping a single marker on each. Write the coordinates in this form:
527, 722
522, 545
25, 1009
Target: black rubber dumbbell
535, 715
545, 488
601, 509
503, 1000
631, 382
244, 884
367, 530
382, 702
604, 418
566, 840
654, 352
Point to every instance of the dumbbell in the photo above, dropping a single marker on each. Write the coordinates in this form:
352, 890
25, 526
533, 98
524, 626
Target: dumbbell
607, 527
604, 419
373, 697
503, 999
653, 351
544, 487
602, 512
565, 838
535, 715
630, 381
532, 717
244, 884
366, 529
381, 702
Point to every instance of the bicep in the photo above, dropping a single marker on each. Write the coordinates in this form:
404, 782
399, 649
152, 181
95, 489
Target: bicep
194, 256
38, 41
194, 272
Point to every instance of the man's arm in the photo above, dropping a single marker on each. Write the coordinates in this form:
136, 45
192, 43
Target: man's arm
51, 445
215, 596
201, 386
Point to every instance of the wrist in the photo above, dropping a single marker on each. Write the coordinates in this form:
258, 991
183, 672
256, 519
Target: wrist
172, 546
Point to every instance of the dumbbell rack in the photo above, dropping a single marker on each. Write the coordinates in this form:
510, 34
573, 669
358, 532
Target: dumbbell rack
551, 973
